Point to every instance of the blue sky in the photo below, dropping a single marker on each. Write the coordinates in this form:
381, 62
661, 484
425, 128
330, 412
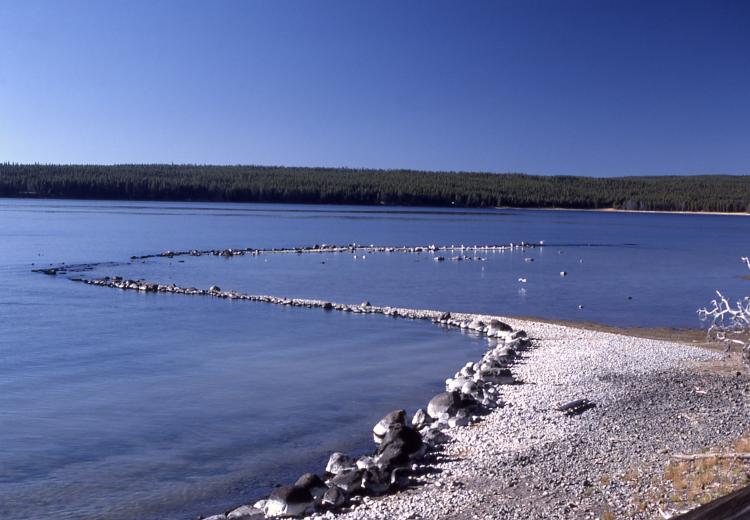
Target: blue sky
559, 87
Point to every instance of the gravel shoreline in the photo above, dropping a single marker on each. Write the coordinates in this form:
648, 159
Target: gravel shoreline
653, 399
528, 460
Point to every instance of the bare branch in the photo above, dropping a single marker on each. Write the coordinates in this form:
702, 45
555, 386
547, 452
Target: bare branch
729, 324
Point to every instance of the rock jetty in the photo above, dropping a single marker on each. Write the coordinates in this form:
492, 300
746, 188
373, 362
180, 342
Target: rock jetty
351, 248
403, 444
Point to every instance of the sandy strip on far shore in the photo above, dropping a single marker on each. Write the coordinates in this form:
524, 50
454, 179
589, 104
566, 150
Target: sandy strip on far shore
616, 210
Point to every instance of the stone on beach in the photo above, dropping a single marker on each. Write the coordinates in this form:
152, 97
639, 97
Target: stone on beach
391, 419
288, 501
339, 462
399, 446
313, 483
333, 498
445, 402
420, 419
376, 481
246, 513
349, 480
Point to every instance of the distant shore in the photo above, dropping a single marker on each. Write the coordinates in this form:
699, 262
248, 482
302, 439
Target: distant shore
616, 210
380, 205
319, 185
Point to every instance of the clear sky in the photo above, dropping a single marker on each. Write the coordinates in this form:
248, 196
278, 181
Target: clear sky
563, 86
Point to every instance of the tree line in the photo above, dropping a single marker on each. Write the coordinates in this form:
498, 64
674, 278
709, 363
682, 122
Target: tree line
167, 182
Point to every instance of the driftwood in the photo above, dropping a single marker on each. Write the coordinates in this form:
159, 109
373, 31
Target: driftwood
729, 324
700, 456
735, 506
576, 407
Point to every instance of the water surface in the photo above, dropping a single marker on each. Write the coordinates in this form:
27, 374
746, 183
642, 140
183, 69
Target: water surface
124, 405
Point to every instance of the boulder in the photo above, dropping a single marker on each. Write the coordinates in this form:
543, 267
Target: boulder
403, 436
399, 446
333, 498
288, 501
376, 481
455, 422
313, 483
455, 385
468, 388
245, 513
349, 481
477, 324
339, 462
393, 456
420, 419
499, 325
400, 478
391, 419
446, 402
365, 462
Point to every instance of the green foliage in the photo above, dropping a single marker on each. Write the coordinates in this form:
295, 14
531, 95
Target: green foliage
392, 187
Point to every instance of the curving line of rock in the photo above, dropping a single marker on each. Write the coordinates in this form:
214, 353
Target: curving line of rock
401, 448
348, 248
490, 326
401, 445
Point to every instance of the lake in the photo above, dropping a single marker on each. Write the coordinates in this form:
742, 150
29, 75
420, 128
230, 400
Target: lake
118, 405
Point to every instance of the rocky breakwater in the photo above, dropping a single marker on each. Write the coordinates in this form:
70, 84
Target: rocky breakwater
403, 444
348, 248
488, 326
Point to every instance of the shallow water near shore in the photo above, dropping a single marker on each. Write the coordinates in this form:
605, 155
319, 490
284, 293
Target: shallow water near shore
124, 405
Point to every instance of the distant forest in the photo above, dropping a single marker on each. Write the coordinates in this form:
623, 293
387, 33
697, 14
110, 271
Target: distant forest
163, 182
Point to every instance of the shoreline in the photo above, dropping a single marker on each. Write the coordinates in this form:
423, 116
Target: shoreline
654, 400
616, 210
558, 362
453, 476
681, 335
388, 206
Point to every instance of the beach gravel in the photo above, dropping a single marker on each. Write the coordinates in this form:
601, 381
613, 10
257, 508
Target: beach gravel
527, 460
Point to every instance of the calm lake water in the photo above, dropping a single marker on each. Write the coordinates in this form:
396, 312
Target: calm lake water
118, 405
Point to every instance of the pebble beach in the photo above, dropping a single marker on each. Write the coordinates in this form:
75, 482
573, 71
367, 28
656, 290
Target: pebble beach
555, 421
653, 399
